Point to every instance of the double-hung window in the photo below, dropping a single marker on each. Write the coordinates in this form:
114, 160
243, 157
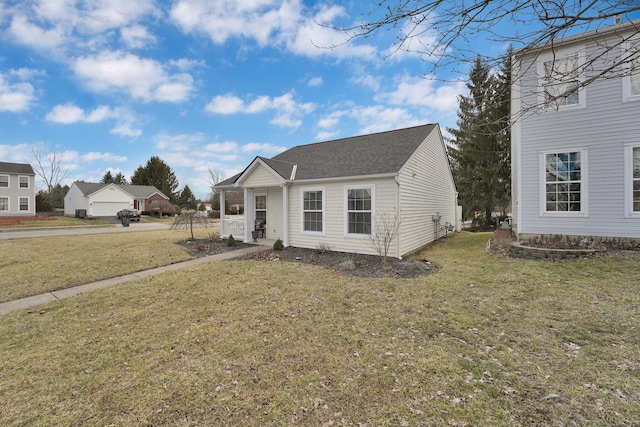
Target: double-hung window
561, 81
632, 180
4, 181
4, 204
24, 203
564, 182
359, 211
313, 211
23, 182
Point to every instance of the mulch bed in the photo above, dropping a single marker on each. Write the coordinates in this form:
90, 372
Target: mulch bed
17, 220
346, 263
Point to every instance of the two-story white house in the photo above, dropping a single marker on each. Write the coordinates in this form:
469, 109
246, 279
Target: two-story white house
17, 190
575, 108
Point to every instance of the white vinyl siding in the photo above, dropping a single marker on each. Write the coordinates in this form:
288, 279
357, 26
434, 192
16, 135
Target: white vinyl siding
261, 177
334, 235
603, 128
426, 187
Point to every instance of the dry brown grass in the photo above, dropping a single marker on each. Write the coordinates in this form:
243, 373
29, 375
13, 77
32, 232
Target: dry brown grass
486, 341
34, 266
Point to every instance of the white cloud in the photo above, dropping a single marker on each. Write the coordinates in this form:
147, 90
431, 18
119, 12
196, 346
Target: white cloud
70, 114
225, 104
287, 111
221, 147
103, 157
15, 97
262, 148
417, 91
315, 81
33, 36
184, 64
142, 79
137, 36
254, 20
367, 80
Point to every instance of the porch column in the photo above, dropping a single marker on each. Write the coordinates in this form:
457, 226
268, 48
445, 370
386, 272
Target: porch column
285, 215
223, 196
248, 214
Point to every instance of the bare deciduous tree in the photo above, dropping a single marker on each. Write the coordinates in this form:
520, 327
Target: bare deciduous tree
186, 221
386, 229
49, 166
446, 33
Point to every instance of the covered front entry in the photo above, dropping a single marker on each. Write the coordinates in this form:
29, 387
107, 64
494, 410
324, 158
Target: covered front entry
262, 205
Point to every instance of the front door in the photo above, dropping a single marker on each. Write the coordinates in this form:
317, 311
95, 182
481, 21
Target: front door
261, 210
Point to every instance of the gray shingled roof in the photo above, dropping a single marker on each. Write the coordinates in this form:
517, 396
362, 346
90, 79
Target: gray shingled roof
16, 168
374, 154
137, 191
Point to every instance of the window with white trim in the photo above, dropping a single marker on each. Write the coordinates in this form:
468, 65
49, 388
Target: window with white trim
564, 183
23, 182
4, 204
4, 181
261, 209
313, 211
632, 180
23, 203
631, 80
560, 77
359, 210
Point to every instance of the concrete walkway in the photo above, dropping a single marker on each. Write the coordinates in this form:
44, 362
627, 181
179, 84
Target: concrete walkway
36, 300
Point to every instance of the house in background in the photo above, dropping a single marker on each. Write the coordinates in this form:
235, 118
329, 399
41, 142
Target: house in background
98, 199
339, 194
17, 190
576, 155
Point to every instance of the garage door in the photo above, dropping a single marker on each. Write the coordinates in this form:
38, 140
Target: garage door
108, 208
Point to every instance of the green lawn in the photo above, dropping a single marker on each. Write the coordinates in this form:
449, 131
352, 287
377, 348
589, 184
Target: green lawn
485, 341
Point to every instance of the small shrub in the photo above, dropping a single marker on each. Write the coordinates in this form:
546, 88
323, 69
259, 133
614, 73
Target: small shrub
231, 241
322, 248
278, 245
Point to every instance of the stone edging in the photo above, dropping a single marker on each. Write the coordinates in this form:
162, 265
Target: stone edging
518, 250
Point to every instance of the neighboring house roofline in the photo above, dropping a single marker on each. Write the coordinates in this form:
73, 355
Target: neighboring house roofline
578, 38
140, 191
16, 168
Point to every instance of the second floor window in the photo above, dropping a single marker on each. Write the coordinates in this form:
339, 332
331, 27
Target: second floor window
561, 81
24, 182
4, 181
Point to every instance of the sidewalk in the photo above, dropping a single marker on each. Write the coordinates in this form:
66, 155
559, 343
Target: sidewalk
36, 300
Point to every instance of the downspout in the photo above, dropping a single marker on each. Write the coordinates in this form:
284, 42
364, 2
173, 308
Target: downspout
398, 219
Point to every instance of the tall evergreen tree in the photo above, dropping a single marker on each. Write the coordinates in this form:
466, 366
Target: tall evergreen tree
107, 178
187, 200
157, 173
479, 149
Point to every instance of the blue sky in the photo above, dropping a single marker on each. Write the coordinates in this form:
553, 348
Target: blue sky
201, 84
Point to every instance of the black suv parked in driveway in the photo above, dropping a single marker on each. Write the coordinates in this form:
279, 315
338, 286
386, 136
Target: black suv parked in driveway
132, 214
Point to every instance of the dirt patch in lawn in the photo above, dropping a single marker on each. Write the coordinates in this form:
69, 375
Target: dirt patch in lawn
345, 263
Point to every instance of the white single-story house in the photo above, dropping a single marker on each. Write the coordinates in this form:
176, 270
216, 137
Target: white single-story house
345, 194
17, 189
98, 199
